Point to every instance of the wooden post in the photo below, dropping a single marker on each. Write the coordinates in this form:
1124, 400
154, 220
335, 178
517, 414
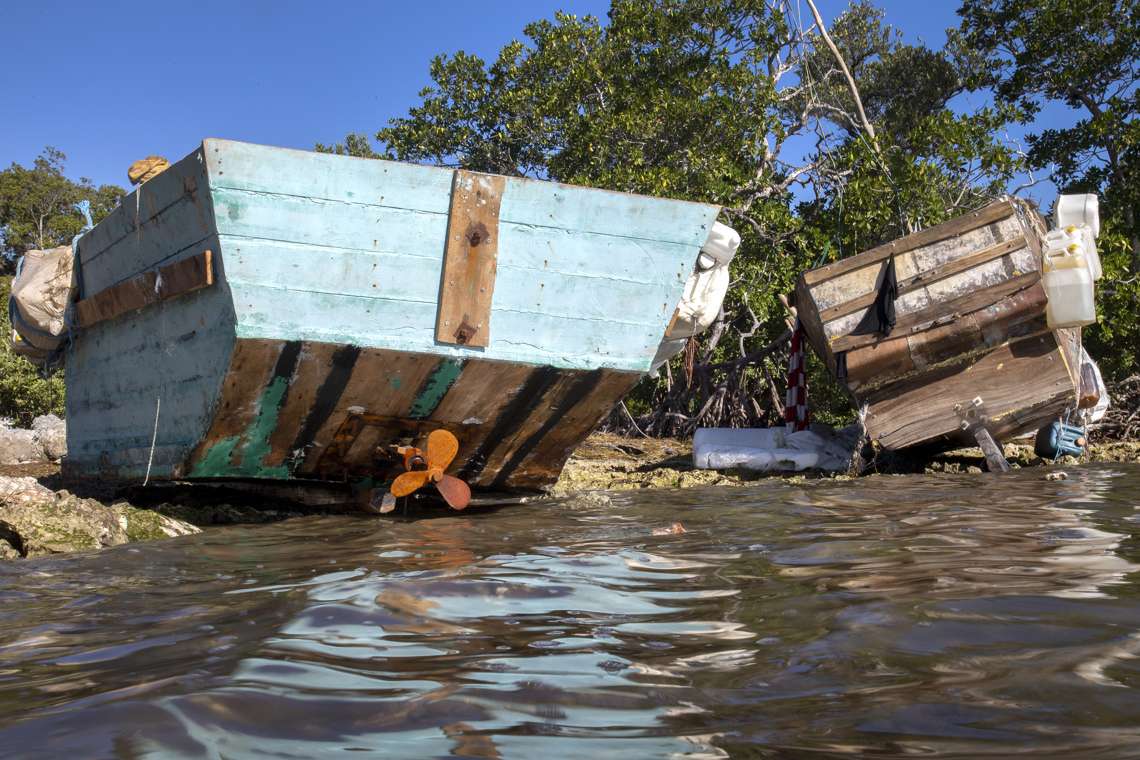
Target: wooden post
995, 457
974, 419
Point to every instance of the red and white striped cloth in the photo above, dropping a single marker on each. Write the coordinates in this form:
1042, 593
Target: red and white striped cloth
796, 416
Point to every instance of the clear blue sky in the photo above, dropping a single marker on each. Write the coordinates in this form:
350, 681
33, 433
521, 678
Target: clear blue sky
110, 82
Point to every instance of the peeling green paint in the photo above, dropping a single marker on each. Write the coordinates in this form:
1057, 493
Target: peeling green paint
215, 463
438, 383
254, 443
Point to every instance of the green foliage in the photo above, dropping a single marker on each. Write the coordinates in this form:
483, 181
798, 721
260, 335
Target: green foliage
700, 100
1083, 54
37, 210
24, 392
37, 205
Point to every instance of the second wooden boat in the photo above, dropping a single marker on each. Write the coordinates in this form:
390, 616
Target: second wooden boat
970, 344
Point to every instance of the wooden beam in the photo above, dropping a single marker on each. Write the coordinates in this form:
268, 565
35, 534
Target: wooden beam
470, 260
184, 276
922, 279
943, 313
957, 226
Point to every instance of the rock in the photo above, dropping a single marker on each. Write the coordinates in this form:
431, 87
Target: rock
36, 521
20, 446
146, 525
7, 551
45, 522
51, 432
1058, 475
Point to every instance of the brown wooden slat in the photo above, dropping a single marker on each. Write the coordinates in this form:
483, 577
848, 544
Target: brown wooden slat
983, 216
477, 397
1010, 378
185, 276
813, 327
525, 425
312, 369
944, 312
470, 260
251, 367
887, 361
923, 279
545, 462
383, 383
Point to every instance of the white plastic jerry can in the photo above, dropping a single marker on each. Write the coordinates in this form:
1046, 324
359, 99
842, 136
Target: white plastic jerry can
1067, 275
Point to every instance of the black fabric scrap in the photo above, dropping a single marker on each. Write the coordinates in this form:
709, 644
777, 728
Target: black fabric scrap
880, 318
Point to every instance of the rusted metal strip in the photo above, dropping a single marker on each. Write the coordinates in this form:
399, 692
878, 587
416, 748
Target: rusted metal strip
470, 260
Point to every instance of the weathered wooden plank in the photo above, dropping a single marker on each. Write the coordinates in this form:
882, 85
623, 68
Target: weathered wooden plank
865, 280
181, 277
476, 398
994, 323
141, 209
316, 363
381, 383
548, 453
165, 365
921, 297
923, 279
529, 337
940, 313
322, 176
470, 260
1008, 379
395, 277
467, 283
527, 202
263, 226
1069, 340
808, 315
995, 457
952, 228
522, 425
251, 391
546, 204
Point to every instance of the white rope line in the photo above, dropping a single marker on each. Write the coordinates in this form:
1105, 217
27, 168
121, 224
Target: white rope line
153, 438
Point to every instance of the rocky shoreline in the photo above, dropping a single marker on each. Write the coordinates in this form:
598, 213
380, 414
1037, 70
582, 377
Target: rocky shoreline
39, 517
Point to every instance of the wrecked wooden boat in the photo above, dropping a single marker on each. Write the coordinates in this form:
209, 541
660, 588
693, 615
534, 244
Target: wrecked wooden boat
970, 347
262, 313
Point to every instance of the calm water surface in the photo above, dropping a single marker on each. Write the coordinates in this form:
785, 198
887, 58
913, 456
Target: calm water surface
935, 616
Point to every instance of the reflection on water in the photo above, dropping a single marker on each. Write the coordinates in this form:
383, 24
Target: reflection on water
937, 616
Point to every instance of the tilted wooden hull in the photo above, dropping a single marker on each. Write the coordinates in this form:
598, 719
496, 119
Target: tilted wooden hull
327, 330
970, 325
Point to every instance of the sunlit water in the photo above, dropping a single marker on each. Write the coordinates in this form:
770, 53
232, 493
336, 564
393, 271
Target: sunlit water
947, 616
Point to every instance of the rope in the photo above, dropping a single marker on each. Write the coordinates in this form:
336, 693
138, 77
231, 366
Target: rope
153, 438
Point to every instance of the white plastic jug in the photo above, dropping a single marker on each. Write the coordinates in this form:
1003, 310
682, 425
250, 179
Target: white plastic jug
1067, 275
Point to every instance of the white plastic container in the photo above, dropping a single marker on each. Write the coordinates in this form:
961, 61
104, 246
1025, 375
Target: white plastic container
1077, 210
1067, 276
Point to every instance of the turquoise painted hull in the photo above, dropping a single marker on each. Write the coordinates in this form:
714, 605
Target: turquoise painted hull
313, 253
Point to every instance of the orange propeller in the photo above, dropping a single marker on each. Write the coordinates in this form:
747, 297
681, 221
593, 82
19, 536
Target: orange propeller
428, 467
